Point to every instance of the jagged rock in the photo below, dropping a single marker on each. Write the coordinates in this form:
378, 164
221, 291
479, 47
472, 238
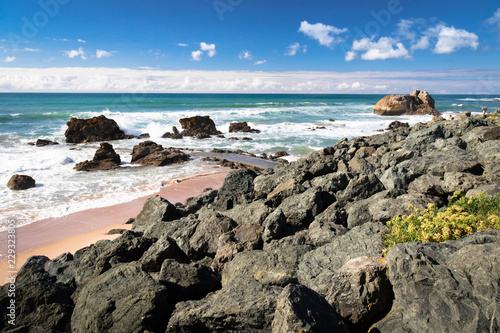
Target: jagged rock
174, 135
247, 237
199, 127
242, 127
254, 212
238, 181
205, 239
94, 129
439, 288
163, 249
299, 309
327, 225
397, 177
155, 209
20, 182
242, 305
397, 105
43, 143
39, 300
396, 124
301, 209
187, 281
274, 225
105, 158
123, 299
204, 199
276, 266
361, 292
150, 153
318, 267
361, 187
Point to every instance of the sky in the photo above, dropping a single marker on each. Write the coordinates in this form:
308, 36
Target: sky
315, 46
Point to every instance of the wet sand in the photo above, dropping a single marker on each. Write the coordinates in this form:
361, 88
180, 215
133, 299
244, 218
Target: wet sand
54, 236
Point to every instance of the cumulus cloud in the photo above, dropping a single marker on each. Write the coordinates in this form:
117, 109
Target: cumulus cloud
495, 19
75, 53
245, 55
384, 48
450, 39
9, 59
209, 49
102, 54
123, 80
260, 62
324, 34
422, 44
294, 48
196, 55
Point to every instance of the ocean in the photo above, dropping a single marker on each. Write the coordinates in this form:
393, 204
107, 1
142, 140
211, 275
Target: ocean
298, 124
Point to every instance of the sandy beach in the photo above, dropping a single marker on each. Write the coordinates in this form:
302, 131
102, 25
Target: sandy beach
54, 236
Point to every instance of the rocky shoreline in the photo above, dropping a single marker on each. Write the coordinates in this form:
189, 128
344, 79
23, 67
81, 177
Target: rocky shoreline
297, 247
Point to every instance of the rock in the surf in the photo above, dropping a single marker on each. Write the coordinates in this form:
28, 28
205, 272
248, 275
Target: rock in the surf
43, 143
94, 129
242, 127
151, 153
21, 182
200, 127
105, 158
417, 103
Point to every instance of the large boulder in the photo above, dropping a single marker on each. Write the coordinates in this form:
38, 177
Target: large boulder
124, 299
155, 210
105, 158
445, 287
94, 129
418, 103
151, 153
200, 127
242, 127
20, 182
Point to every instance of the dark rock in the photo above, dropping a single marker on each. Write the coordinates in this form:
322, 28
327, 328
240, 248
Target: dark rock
254, 212
361, 292
246, 139
276, 266
163, 249
39, 300
155, 209
150, 153
116, 231
398, 178
396, 124
205, 239
244, 305
204, 199
438, 287
238, 181
361, 187
186, 281
274, 225
242, 127
124, 299
20, 182
299, 309
105, 158
199, 127
174, 135
244, 238
301, 209
144, 136
415, 104
94, 129
280, 153
318, 267
327, 225
43, 143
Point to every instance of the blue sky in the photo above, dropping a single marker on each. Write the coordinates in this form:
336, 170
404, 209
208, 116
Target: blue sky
196, 39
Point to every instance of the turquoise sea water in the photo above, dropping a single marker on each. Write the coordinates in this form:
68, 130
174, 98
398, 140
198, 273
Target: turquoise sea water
286, 122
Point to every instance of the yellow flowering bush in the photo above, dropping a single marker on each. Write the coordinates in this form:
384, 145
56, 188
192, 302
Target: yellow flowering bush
463, 216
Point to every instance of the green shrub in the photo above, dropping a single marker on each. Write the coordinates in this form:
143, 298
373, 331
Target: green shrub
464, 216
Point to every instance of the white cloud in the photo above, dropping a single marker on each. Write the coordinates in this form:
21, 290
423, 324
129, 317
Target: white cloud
294, 48
350, 55
27, 49
75, 53
324, 34
209, 48
123, 80
380, 50
450, 39
182, 44
422, 44
81, 41
245, 55
102, 53
260, 62
9, 59
196, 55
495, 19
